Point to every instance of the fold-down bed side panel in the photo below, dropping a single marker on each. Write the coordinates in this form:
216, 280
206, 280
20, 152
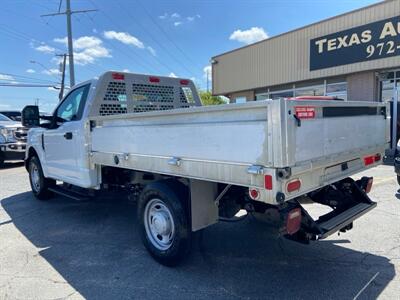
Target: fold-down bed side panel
334, 128
215, 143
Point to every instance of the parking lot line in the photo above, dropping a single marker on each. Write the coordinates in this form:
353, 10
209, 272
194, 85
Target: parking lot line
365, 286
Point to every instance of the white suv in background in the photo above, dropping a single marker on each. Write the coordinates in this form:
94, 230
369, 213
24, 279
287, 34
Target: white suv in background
12, 140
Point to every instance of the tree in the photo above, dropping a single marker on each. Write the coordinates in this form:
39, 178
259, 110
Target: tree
208, 99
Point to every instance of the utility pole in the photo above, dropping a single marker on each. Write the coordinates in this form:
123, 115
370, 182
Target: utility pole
68, 12
61, 94
70, 45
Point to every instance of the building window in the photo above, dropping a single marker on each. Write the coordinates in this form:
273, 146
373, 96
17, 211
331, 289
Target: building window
335, 87
281, 94
387, 90
262, 96
389, 81
240, 100
316, 90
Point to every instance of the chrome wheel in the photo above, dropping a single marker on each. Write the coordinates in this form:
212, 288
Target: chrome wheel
35, 178
159, 224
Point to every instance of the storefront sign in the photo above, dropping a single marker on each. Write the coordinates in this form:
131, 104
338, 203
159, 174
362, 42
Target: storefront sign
363, 43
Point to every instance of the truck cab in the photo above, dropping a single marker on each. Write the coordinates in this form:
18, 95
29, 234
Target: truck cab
60, 142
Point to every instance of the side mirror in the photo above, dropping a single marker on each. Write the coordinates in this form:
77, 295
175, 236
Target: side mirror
30, 116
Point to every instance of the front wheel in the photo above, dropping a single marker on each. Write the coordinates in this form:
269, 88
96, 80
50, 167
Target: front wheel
164, 225
39, 184
398, 179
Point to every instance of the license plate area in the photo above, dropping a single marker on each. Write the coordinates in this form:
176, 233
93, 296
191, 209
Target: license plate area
341, 169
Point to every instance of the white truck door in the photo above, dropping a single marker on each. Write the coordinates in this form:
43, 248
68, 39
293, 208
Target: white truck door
61, 143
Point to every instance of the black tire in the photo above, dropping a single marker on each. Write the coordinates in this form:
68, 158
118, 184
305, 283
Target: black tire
41, 188
398, 179
172, 196
1, 161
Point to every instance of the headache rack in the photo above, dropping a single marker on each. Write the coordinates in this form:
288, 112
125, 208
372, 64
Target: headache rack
124, 93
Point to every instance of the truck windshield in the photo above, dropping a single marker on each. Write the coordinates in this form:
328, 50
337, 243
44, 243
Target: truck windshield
4, 118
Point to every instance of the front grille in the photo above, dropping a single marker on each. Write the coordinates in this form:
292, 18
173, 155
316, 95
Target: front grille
21, 134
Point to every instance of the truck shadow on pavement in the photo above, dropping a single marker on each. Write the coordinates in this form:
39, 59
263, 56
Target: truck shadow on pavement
95, 247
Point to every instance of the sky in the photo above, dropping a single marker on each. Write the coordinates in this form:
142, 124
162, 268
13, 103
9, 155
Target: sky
163, 37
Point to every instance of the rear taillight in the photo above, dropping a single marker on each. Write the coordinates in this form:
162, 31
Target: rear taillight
293, 185
184, 82
368, 188
118, 76
268, 182
154, 79
293, 221
370, 159
254, 194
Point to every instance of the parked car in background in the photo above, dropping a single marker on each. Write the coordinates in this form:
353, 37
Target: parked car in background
12, 140
14, 115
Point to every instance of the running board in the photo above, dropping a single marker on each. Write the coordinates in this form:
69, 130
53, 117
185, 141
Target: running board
69, 193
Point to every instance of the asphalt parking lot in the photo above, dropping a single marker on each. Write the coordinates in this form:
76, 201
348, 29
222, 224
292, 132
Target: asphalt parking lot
63, 249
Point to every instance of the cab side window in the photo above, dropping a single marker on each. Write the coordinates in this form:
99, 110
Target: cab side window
71, 108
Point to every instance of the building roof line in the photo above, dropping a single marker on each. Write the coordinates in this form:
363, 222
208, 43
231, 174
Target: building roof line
303, 27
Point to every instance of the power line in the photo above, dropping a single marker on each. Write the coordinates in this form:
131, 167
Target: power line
127, 54
89, 66
23, 36
165, 33
132, 18
48, 71
8, 81
68, 12
27, 77
102, 41
24, 85
166, 50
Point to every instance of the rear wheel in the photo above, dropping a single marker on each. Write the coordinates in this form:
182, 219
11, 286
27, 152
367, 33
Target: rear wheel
164, 225
39, 184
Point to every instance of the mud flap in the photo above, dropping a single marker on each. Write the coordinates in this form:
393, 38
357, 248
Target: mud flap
348, 200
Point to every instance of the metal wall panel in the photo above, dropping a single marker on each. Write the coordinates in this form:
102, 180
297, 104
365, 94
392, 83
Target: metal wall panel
285, 58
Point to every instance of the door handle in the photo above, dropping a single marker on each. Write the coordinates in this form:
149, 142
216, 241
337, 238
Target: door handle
68, 135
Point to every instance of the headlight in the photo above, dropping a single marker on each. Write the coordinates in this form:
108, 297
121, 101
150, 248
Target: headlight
7, 134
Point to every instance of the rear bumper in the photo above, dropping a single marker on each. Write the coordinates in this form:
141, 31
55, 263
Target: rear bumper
13, 151
348, 201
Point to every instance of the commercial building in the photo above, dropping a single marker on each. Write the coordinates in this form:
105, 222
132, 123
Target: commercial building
354, 56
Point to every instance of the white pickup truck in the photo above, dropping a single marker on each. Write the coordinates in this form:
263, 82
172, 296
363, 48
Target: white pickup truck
189, 166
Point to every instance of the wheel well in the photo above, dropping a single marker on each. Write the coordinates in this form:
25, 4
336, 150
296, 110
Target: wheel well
31, 153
